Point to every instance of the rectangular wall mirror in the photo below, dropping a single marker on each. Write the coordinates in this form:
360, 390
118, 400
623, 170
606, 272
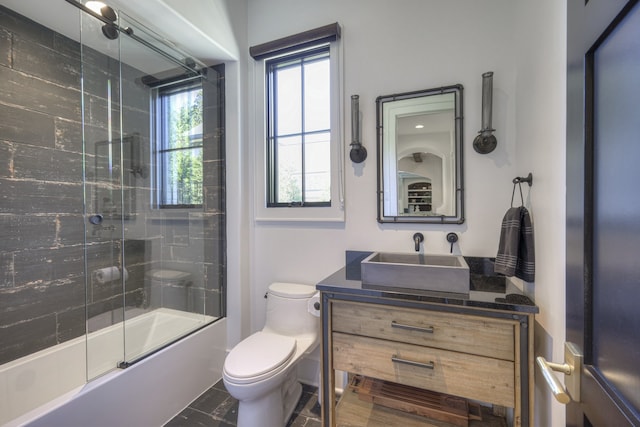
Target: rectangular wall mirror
420, 156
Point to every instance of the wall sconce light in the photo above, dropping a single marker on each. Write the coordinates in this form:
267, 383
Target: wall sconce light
358, 153
486, 142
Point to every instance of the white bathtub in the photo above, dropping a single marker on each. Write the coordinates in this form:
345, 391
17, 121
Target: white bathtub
49, 388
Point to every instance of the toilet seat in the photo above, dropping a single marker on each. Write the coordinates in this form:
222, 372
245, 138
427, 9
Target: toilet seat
275, 351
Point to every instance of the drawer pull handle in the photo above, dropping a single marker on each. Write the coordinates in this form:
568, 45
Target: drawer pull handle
397, 359
428, 329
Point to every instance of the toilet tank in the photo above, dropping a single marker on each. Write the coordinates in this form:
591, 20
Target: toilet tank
289, 309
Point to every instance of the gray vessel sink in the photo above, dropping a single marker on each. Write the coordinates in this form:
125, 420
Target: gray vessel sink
442, 273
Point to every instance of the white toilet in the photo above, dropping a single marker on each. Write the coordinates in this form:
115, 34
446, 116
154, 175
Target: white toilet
261, 370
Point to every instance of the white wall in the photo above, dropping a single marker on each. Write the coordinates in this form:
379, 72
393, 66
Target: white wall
392, 47
237, 209
396, 46
540, 135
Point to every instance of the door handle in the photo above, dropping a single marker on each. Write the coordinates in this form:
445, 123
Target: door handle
571, 369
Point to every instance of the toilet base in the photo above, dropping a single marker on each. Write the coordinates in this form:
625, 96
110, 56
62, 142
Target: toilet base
291, 399
273, 409
265, 411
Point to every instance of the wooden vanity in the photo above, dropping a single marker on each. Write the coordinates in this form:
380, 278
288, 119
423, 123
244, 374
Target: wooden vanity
470, 347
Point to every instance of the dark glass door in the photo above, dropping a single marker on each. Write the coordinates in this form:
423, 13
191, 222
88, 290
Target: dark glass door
603, 208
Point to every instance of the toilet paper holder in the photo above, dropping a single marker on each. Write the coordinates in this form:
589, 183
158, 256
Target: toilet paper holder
313, 306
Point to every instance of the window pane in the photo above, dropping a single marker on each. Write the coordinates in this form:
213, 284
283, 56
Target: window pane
183, 112
317, 167
317, 96
183, 177
288, 100
298, 90
179, 145
289, 169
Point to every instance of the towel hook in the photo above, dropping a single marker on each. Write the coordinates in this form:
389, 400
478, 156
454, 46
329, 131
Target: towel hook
528, 179
519, 180
519, 184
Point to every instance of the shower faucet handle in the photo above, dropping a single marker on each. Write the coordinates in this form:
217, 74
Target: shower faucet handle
96, 219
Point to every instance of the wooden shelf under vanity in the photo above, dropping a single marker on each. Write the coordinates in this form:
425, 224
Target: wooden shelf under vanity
351, 410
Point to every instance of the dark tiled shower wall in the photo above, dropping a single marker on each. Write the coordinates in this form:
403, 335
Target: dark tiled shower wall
213, 294
42, 285
43, 298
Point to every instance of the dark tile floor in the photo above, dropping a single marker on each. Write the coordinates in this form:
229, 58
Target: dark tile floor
216, 408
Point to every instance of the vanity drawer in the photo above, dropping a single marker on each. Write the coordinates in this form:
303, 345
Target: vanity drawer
463, 333
470, 376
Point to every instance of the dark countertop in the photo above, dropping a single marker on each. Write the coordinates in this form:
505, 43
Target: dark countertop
487, 291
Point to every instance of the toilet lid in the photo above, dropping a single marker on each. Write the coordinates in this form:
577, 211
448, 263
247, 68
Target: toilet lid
258, 354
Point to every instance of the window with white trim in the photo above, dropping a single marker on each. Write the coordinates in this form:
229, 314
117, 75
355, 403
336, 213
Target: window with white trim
299, 129
299, 159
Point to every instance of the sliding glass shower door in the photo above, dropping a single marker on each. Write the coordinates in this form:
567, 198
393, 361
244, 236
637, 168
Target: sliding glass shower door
153, 162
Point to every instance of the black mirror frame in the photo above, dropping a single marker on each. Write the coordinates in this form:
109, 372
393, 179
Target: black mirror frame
458, 218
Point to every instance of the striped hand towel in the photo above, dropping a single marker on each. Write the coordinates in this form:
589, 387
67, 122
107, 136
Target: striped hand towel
516, 251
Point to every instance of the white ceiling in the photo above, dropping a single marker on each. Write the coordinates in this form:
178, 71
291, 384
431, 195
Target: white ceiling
437, 122
201, 28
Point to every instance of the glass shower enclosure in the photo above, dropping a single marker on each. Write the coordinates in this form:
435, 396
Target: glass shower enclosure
154, 231
112, 218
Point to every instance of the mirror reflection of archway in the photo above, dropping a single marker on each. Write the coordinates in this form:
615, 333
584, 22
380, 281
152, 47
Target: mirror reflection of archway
424, 145
419, 172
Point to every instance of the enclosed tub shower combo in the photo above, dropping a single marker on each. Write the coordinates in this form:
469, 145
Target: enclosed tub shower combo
112, 221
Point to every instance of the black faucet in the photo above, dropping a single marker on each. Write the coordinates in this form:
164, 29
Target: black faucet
417, 238
452, 238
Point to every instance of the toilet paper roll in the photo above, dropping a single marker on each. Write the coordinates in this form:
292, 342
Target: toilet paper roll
314, 302
109, 274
